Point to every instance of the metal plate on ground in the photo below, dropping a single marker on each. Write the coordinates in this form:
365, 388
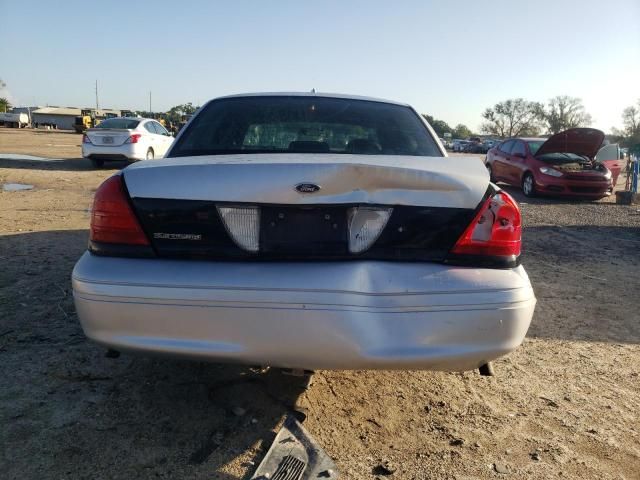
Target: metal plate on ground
294, 455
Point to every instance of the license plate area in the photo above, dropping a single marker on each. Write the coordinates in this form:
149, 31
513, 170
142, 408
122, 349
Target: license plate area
304, 231
107, 140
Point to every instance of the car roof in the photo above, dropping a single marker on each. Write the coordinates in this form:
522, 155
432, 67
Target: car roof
140, 119
314, 94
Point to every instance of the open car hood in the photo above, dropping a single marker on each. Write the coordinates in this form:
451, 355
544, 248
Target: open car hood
581, 141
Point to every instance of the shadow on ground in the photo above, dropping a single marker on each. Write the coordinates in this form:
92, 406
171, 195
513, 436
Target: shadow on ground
65, 165
584, 279
90, 416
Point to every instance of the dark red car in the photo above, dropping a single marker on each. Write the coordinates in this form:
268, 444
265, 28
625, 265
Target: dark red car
564, 164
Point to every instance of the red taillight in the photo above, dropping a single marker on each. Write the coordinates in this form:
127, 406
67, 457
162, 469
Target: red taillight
133, 138
85, 139
495, 231
112, 219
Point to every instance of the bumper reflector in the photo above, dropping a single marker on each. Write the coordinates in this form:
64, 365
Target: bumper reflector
365, 226
243, 224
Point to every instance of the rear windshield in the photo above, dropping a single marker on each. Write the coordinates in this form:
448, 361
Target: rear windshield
127, 123
305, 125
534, 146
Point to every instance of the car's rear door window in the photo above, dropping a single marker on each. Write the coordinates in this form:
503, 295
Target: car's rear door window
518, 148
507, 146
160, 130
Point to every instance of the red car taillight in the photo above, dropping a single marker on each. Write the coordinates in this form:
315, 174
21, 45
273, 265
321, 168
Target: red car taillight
112, 219
134, 138
496, 231
85, 139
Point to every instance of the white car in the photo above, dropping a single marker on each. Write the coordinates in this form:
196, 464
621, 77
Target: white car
125, 138
306, 231
458, 145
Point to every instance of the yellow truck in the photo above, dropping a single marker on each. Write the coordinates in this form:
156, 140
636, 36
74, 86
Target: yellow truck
90, 118
87, 119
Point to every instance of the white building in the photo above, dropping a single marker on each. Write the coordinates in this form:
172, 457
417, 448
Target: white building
62, 118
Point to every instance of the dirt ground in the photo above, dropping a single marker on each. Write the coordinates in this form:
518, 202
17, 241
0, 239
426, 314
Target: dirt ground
564, 405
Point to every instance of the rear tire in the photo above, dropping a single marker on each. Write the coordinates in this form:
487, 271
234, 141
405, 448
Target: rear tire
528, 185
97, 163
150, 155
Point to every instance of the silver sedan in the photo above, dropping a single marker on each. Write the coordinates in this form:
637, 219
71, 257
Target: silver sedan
306, 231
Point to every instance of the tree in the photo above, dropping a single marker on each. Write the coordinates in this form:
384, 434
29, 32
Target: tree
563, 112
631, 120
631, 132
513, 117
439, 126
4, 104
176, 113
461, 131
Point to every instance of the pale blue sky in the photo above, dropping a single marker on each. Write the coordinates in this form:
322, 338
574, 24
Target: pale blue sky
449, 59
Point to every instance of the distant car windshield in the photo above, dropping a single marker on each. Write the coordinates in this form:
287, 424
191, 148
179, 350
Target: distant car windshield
126, 123
288, 124
535, 145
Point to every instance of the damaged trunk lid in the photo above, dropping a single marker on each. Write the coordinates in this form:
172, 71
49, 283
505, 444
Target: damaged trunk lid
288, 206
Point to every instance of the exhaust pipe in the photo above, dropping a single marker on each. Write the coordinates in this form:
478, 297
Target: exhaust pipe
111, 353
486, 370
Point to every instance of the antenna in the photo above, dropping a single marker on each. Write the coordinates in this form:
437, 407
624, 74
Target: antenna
97, 104
150, 111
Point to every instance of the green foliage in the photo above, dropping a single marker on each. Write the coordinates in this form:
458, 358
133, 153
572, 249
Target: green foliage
462, 131
5, 105
630, 135
631, 120
439, 126
177, 113
512, 118
564, 112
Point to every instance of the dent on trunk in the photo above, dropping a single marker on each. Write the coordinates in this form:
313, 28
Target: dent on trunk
343, 179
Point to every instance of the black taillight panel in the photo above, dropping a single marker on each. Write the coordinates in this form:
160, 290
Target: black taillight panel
179, 228
193, 229
420, 233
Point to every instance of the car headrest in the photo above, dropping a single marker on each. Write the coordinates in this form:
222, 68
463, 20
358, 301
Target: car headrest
362, 146
308, 146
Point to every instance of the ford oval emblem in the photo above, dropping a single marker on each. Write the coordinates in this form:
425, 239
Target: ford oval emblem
307, 188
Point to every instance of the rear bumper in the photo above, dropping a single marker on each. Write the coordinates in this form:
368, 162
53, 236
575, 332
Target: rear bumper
330, 315
130, 151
